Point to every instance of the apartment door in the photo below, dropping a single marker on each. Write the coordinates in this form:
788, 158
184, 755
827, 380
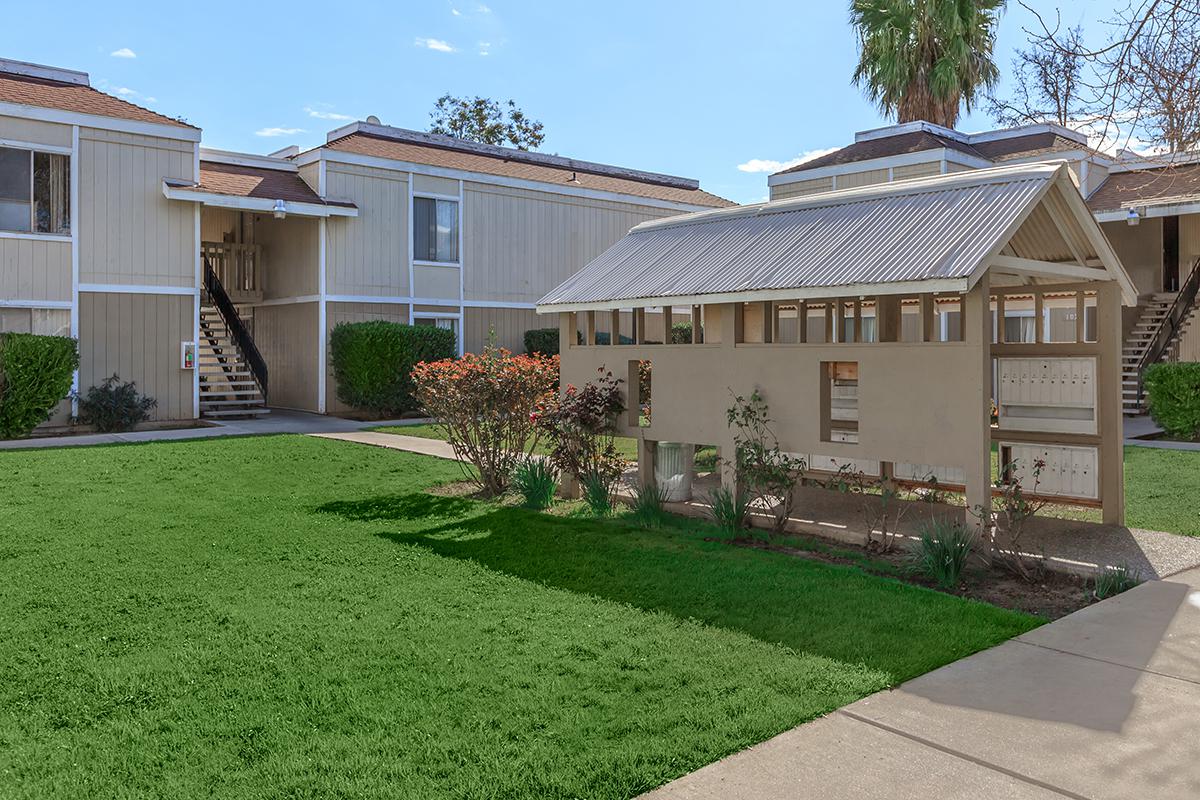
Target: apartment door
1170, 270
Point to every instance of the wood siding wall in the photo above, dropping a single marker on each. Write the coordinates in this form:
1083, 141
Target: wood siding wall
129, 233
906, 171
291, 251
287, 337
801, 188
510, 325
865, 178
137, 336
35, 270
368, 254
336, 313
1140, 249
520, 244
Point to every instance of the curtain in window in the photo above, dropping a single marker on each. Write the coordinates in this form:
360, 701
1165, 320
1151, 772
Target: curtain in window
51, 192
435, 229
15, 190
1020, 330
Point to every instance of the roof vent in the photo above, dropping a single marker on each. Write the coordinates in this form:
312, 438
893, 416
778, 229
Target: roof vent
374, 120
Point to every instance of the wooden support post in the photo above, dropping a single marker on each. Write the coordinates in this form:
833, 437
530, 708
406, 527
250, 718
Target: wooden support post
976, 387
1039, 313
614, 336
639, 326
858, 337
1080, 318
801, 321
767, 314
1110, 417
738, 318
830, 327
887, 318
697, 324
646, 451
566, 331
589, 330
668, 318
928, 334
1000, 318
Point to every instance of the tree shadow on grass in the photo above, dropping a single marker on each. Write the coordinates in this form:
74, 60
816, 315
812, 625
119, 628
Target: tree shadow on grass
838, 612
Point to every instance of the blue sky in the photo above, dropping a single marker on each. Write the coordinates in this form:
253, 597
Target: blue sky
694, 88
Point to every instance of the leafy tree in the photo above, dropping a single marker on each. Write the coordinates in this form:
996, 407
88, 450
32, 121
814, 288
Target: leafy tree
483, 120
923, 59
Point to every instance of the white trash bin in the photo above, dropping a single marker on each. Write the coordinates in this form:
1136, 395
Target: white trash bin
674, 470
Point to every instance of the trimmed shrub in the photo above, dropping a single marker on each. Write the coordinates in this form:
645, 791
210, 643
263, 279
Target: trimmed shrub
681, 333
488, 405
373, 362
541, 340
1174, 394
35, 374
114, 406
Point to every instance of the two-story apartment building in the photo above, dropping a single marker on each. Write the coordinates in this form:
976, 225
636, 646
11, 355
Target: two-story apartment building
213, 279
1148, 208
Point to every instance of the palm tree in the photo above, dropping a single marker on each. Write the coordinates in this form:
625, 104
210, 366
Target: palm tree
922, 59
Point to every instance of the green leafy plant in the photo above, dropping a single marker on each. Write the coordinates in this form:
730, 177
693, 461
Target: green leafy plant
581, 425
942, 551
729, 510
597, 494
768, 474
114, 406
880, 500
489, 406
541, 340
1173, 391
1011, 510
647, 509
35, 374
1110, 581
537, 481
373, 362
681, 333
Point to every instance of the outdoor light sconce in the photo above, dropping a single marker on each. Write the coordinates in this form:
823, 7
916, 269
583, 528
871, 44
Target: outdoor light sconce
1133, 218
280, 209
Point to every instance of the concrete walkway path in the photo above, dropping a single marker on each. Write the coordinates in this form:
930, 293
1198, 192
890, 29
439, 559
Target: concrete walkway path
1104, 703
395, 441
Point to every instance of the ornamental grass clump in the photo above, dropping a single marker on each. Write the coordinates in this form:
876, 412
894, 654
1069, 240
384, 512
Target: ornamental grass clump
488, 406
942, 551
537, 481
647, 509
1111, 581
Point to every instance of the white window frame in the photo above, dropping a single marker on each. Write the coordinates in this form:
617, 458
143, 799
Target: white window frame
32, 233
454, 316
412, 211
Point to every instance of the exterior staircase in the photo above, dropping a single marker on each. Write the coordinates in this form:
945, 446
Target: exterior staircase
227, 384
1154, 314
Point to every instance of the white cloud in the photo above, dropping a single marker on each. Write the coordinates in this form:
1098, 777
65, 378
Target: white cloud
133, 95
317, 113
124, 52
769, 165
482, 9
434, 44
485, 48
456, 12
278, 131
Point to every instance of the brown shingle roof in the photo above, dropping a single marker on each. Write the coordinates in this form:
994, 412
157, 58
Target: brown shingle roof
513, 167
913, 142
44, 93
268, 184
1034, 144
1161, 185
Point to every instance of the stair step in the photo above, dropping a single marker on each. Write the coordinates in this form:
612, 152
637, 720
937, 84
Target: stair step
221, 403
250, 393
236, 412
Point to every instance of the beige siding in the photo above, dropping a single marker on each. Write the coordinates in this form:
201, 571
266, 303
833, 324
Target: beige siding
520, 244
1140, 249
287, 337
216, 223
35, 270
916, 170
801, 188
137, 336
865, 178
509, 324
953, 167
436, 283
1189, 243
34, 132
336, 313
291, 254
310, 174
368, 254
1189, 340
428, 184
128, 232
1096, 176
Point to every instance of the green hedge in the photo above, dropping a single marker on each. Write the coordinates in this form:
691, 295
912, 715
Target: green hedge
1174, 394
541, 340
35, 374
373, 361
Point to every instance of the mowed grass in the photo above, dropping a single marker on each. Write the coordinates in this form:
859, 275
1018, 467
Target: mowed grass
294, 617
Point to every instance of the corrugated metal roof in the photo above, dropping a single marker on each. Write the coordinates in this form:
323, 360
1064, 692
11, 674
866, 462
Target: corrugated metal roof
929, 229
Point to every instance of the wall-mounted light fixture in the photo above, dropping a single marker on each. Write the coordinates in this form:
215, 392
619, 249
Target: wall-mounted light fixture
1133, 217
280, 209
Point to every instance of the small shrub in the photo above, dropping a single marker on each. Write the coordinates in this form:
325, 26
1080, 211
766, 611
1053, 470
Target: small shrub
541, 340
537, 481
647, 509
114, 406
1111, 581
729, 509
1011, 510
597, 494
1173, 391
681, 333
581, 425
768, 474
35, 374
488, 405
941, 553
373, 362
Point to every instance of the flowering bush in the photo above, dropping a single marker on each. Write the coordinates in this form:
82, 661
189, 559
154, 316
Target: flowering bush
581, 424
488, 405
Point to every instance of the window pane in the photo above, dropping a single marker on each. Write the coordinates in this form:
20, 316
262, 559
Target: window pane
14, 189
447, 231
424, 239
51, 192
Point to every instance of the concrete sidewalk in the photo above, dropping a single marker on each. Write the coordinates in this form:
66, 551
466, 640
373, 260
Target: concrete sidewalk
1101, 704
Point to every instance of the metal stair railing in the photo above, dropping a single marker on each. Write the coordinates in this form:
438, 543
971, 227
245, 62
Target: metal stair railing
237, 329
1168, 329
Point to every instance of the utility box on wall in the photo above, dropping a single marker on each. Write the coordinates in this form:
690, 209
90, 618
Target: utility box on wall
187, 355
1055, 395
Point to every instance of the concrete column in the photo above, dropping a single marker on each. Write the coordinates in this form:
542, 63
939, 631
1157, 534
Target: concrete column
1110, 419
977, 391
646, 450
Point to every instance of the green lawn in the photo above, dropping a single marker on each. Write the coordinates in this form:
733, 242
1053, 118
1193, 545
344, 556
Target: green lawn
294, 617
